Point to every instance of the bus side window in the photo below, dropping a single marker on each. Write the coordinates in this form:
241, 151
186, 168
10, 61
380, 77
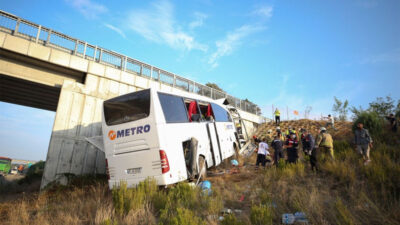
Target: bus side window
203, 110
192, 111
173, 108
221, 115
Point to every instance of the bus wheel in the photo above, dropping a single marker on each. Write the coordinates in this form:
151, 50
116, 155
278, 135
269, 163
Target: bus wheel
202, 168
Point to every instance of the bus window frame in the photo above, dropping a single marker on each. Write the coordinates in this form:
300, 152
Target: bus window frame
183, 102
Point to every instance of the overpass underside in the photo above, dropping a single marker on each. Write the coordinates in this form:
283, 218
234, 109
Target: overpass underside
28, 93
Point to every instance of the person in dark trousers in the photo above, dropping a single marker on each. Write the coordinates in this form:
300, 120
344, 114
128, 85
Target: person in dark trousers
262, 153
309, 149
291, 148
277, 116
393, 122
277, 145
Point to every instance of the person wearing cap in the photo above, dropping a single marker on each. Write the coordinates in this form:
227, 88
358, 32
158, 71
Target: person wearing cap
363, 142
279, 132
291, 148
256, 140
287, 133
277, 116
324, 141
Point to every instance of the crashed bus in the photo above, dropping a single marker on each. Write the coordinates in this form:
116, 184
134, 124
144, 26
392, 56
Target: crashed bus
167, 136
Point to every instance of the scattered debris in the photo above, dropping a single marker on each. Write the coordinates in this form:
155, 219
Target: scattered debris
238, 211
213, 174
298, 217
288, 218
206, 187
226, 211
234, 162
241, 198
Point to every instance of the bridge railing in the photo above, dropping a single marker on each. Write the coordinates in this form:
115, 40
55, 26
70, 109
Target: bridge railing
34, 32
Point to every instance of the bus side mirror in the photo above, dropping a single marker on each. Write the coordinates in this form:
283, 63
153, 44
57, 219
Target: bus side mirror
196, 118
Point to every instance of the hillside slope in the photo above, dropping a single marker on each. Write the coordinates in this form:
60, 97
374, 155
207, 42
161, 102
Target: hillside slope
343, 129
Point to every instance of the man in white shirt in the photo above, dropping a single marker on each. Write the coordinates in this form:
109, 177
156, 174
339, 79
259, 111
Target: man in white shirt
262, 153
331, 121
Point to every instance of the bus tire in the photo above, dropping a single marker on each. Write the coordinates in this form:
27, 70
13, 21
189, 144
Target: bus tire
202, 168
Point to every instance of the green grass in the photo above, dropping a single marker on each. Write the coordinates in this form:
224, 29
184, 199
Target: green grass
344, 191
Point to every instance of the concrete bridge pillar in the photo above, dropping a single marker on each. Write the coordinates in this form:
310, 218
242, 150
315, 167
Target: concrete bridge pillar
78, 116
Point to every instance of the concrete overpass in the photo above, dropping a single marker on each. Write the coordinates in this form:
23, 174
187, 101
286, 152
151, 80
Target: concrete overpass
49, 70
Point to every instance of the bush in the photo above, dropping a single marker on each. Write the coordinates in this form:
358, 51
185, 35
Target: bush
342, 149
126, 199
231, 219
34, 172
261, 215
180, 216
343, 214
372, 121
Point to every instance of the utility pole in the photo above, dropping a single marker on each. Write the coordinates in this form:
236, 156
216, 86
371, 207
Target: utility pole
287, 112
272, 112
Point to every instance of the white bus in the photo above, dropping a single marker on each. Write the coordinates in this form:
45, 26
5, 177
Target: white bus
170, 137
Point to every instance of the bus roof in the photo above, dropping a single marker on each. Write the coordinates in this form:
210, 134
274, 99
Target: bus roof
5, 158
194, 96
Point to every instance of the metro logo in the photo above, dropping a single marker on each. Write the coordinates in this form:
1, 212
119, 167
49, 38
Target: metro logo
112, 135
128, 132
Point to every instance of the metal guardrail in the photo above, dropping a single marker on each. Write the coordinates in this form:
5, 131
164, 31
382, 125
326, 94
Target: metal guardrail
25, 29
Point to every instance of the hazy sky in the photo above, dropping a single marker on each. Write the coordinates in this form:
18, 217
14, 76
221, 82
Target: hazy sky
287, 53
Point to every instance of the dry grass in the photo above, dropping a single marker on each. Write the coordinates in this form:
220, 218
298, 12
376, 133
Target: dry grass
343, 192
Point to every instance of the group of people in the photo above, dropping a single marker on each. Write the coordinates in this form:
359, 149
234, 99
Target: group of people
289, 142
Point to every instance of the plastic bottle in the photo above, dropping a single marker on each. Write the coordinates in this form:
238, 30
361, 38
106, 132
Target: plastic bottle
301, 217
288, 218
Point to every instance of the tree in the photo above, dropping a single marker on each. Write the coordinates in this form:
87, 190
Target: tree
341, 108
382, 106
371, 120
215, 86
307, 111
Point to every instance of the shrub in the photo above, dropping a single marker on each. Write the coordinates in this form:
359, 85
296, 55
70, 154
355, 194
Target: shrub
261, 215
340, 170
231, 219
344, 216
34, 172
180, 216
371, 120
126, 199
342, 150
291, 170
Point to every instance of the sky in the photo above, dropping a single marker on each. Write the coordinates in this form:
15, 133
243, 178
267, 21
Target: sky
285, 53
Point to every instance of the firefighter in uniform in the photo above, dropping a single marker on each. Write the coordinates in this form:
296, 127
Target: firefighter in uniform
324, 141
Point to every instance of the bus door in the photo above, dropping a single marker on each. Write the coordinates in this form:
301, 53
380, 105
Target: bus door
214, 143
208, 116
223, 128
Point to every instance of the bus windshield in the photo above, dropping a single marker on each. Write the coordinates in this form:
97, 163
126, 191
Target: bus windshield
127, 108
4, 161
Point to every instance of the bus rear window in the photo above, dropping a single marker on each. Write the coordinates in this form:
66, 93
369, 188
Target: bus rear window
127, 108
